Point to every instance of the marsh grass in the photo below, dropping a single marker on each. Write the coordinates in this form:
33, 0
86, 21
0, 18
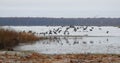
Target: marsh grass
11, 38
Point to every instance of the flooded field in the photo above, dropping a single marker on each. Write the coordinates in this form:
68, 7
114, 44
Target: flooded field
71, 39
76, 45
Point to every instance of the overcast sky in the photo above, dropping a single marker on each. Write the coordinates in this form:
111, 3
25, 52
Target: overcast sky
60, 8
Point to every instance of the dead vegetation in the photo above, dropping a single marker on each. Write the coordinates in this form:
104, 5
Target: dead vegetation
10, 38
28, 57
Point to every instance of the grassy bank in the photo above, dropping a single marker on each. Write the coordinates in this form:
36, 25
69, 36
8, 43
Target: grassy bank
10, 38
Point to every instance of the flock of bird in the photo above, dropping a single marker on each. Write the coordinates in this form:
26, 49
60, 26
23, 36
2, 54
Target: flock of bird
65, 30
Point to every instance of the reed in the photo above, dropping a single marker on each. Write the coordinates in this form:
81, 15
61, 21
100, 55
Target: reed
11, 38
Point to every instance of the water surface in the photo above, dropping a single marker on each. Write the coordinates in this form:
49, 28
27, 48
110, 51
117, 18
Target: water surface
76, 45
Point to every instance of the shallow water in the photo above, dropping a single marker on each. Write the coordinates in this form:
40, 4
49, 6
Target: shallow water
76, 45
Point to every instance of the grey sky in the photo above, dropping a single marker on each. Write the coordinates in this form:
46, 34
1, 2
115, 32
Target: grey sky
60, 8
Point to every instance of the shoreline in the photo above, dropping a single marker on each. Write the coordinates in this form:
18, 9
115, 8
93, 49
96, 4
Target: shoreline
27, 56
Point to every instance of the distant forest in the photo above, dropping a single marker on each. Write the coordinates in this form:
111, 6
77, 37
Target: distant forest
37, 21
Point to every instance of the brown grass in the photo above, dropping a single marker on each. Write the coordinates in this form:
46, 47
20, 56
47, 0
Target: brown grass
10, 38
61, 58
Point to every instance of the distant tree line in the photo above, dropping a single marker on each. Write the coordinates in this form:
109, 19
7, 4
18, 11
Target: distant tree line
30, 21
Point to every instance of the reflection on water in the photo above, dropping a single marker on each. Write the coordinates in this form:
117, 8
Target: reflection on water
68, 45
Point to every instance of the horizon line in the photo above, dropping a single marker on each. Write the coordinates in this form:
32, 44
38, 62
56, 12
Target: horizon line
51, 17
